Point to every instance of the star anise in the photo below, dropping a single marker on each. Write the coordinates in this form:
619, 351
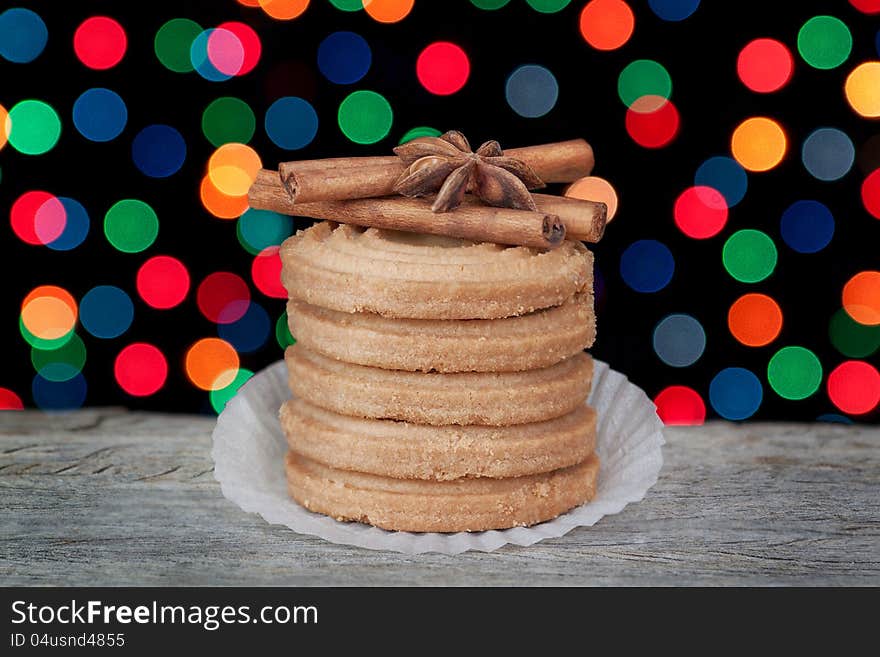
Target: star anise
447, 165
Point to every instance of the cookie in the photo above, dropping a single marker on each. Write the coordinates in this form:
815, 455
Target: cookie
408, 275
486, 398
440, 506
531, 341
413, 451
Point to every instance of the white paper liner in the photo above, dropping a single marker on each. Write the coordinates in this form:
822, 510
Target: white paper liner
249, 449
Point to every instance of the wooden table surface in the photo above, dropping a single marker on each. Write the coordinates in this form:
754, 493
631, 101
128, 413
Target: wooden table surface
108, 497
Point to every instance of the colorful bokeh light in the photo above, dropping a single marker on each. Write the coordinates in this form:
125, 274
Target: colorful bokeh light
862, 89
443, 68
755, 320
162, 282
854, 387
140, 369
211, 364
861, 297
594, 188
100, 42
765, 65
606, 24
680, 406
700, 212
759, 143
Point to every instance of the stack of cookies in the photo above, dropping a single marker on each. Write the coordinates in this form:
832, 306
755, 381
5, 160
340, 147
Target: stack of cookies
438, 384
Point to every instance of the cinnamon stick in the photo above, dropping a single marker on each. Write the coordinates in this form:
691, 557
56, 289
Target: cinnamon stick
472, 220
335, 179
583, 220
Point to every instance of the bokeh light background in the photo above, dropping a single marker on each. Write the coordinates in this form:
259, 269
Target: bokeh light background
739, 144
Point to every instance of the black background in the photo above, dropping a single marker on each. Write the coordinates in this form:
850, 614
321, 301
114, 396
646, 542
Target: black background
700, 54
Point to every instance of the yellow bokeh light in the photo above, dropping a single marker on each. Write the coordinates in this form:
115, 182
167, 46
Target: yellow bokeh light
233, 167
593, 188
862, 89
758, 143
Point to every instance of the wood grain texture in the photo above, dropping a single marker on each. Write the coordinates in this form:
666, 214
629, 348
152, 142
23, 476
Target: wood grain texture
107, 497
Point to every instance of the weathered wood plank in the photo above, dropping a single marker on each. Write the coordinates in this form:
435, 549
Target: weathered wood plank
103, 496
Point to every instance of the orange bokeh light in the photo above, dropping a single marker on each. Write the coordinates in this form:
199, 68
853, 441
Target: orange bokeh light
222, 206
758, 143
861, 297
593, 188
284, 10
211, 364
607, 24
49, 312
5, 126
388, 11
862, 89
233, 168
755, 320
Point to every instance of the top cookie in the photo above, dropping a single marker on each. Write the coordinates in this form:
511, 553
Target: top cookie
408, 275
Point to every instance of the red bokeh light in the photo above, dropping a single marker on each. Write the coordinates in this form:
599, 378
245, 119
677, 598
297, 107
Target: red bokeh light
765, 65
249, 40
9, 401
140, 369
100, 42
700, 212
871, 193
652, 122
680, 405
163, 282
223, 297
37, 217
443, 68
854, 387
266, 272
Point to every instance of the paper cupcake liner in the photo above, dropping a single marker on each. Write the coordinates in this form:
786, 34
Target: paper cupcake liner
249, 449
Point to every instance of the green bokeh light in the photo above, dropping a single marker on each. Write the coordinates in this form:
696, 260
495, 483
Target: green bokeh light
35, 127
131, 225
851, 338
43, 343
173, 43
420, 131
548, 6
365, 117
220, 397
348, 5
258, 229
794, 373
749, 255
227, 120
489, 5
282, 332
63, 363
824, 42
643, 77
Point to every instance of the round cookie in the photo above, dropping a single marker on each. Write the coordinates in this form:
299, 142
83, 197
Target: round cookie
485, 398
448, 506
531, 341
408, 275
411, 451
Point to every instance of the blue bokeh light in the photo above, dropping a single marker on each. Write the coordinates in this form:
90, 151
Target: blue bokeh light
344, 57
100, 114
647, 266
735, 393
